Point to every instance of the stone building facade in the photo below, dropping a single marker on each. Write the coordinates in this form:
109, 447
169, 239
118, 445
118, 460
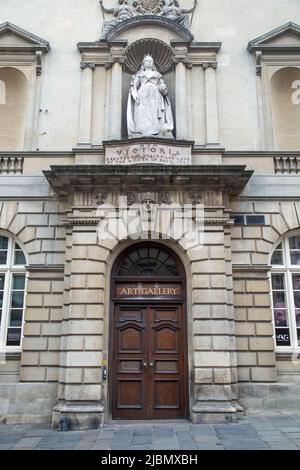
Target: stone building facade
95, 328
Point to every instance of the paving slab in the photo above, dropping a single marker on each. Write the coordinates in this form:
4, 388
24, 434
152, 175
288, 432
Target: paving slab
277, 431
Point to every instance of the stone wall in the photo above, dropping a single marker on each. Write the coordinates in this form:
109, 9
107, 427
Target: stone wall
251, 250
214, 20
37, 226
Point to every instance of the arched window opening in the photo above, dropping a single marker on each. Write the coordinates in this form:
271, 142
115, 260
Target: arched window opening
13, 114
148, 261
2, 92
285, 92
12, 293
285, 279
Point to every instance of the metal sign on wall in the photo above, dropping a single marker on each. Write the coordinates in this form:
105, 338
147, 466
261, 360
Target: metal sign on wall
149, 290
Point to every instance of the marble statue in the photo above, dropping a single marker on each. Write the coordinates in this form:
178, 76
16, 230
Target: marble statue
131, 8
123, 12
172, 11
149, 110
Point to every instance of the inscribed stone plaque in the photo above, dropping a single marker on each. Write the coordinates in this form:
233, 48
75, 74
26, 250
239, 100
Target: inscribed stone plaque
155, 153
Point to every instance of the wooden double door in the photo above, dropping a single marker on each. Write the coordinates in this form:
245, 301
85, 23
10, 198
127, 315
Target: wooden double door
148, 361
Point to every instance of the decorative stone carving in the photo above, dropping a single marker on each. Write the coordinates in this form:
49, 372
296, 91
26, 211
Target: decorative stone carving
127, 9
166, 198
148, 7
147, 200
161, 53
100, 198
195, 197
131, 199
149, 110
84, 65
123, 12
207, 65
172, 11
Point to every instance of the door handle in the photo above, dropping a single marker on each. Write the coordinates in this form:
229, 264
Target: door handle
152, 363
145, 363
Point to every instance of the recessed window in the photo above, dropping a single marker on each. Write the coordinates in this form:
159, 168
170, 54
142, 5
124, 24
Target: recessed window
285, 93
12, 292
285, 279
255, 220
238, 219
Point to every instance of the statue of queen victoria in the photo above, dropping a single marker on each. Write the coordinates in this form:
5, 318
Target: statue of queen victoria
149, 110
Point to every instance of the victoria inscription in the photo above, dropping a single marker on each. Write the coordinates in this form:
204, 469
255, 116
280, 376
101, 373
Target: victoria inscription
144, 152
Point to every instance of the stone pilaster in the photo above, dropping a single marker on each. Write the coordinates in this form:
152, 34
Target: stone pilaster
85, 116
181, 61
215, 375
211, 104
80, 387
115, 112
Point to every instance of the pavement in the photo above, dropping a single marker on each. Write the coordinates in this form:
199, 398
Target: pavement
277, 431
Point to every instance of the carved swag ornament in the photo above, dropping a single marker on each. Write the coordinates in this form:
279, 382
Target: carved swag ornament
127, 9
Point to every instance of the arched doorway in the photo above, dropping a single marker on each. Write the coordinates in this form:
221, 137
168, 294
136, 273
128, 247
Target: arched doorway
148, 335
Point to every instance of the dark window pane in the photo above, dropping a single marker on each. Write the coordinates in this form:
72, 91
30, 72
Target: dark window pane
298, 336
153, 252
143, 252
3, 243
150, 261
134, 256
295, 257
3, 257
162, 256
17, 300
1, 299
255, 219
19, 258
2, 280
297, 299
16, 317
278, 281
19, 281
277, 257
238, 219
297, 314
280, 317
13, 337
278, 299
282, 337
294, 243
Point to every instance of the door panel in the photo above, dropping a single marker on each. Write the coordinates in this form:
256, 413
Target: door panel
167, 399
148, 370
129, 350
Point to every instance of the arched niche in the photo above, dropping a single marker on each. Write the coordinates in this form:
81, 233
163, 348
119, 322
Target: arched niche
13, 109
285, 95
163, 57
